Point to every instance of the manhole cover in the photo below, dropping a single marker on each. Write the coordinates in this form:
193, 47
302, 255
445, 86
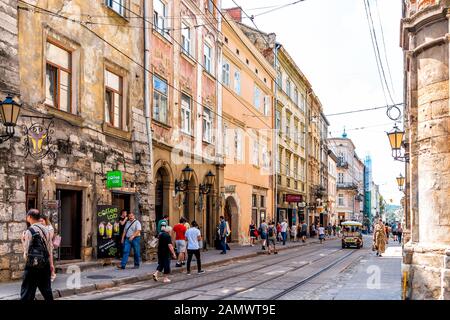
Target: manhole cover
99, 277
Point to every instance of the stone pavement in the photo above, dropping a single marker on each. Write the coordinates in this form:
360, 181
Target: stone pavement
370, 277
109, 277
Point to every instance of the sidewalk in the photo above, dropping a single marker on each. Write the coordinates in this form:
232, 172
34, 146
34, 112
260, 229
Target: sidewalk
109, 277
370, 278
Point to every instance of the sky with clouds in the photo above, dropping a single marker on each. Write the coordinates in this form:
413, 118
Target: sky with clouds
330, 41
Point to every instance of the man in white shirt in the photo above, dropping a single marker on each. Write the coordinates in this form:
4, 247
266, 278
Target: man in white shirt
193, 236
321, 231
284, 229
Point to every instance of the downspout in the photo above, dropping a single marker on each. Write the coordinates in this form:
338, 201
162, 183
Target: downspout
275, 140
147, 114
307, 116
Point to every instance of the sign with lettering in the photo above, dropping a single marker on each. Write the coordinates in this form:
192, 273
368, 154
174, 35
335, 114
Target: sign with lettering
108, 231
294, 198
114, 179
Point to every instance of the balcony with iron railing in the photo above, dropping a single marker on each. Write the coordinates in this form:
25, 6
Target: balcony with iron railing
347, 186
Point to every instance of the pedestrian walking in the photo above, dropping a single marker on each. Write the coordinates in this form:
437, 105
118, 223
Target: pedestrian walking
387, 231
284, 230
193, 238
313, 230
165, 252
163, 222
223, 233
263, 232
294, 229
321, 232
334, 230
45, 221
131, 239
122, 221
278, 229
180, 242
329, 229
252, 233
399, 233
271, 238
338, 231
37, 252
379, 238
304, 229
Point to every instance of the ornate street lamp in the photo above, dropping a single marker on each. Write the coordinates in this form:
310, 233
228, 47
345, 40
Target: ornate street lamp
181, 186
401, 182
9, 114
210, 179
396, 137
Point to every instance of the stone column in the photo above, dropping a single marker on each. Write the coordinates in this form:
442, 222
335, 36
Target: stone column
426, 264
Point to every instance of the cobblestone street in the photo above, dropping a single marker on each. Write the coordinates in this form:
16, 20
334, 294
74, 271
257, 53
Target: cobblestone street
315, 272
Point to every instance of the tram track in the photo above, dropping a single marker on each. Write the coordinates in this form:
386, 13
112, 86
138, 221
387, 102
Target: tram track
294, 253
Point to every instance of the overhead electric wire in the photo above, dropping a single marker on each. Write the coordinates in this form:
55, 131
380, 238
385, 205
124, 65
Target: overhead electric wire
362, 110
277, 8
376, 47
384, 47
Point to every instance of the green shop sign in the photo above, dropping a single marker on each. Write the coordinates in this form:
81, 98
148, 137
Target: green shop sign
114, 179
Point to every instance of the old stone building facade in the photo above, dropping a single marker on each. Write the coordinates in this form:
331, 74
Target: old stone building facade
186, 56
426, 256
87, 79
248, 81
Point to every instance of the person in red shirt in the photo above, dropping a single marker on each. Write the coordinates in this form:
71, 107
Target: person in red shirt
180, 242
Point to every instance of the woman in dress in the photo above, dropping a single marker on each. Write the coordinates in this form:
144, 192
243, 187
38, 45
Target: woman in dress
379, 237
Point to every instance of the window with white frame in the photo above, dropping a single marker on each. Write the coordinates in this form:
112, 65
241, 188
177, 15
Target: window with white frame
288, 126
302, 102
226, 73
341, 200
160, 96
117, 5
226, 143
207, 125
237, 82
266, 105
296, 167
186, 38
58, 80
257, 97
113, 100
296, 96
265, 155
238, 144
296, 133
278, 120
211, 6
340, 178
280, 151
288, 87
186, 114
207, 58
255, 151
288, 164
279, 78
160, 16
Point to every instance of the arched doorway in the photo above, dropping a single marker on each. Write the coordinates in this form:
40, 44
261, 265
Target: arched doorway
231, 215
162, 191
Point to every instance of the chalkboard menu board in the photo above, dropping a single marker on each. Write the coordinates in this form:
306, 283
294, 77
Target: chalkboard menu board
107, 231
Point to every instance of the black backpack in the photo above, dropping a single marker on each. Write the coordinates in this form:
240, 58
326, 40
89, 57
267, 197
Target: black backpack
271, 231
38, 255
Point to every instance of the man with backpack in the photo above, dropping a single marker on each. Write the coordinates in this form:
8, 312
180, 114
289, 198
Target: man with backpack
37, 248
223, 233
131, 238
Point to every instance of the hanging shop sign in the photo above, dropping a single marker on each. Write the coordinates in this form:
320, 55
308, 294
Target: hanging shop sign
114, 179
294, 198
108, 231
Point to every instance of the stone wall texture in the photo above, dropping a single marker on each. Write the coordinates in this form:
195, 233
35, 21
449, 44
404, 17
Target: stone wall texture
425, 41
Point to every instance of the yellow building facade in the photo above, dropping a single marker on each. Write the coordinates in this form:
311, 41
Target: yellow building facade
248, 84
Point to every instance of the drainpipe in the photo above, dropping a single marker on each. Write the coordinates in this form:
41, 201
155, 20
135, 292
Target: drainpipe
147, 114
275, 140
307, 118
